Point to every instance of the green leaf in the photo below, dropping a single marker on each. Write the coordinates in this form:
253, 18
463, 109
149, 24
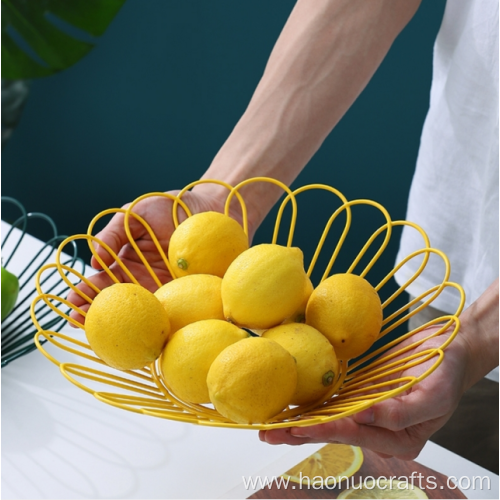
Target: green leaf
19, 63
56, 49
92, 16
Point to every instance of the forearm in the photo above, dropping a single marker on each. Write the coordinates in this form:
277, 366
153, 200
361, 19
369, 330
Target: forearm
479, 333
323, 59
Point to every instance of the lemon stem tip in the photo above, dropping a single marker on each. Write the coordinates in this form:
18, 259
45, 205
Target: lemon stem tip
182, 264
328, 378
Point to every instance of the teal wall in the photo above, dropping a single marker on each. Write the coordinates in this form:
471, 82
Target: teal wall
150, 106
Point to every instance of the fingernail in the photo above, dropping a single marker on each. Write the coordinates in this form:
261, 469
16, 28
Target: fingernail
365, 416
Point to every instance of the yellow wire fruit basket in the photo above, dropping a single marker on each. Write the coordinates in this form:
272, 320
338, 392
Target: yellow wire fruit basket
390, 368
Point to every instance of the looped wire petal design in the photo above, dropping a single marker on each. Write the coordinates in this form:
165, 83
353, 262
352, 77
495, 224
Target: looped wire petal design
392, 367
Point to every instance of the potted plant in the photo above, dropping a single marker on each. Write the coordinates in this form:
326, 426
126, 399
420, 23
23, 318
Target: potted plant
43, 37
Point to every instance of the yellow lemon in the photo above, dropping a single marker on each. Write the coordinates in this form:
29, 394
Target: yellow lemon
347, 310
189, 353
264, 286
127, 326
299, 316
317, 365
384, 488
206, 243
252, 381
329, 465
191, 298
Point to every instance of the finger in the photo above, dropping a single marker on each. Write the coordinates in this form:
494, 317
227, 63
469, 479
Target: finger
100, 280
421, 404
280, 436
394, 414
77, 316
155, 212
80, 302
383, 455
285, 436
76, 299
347, 431
114, 236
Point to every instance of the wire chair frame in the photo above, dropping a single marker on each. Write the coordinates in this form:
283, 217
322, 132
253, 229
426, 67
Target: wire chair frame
18, 331
380, 374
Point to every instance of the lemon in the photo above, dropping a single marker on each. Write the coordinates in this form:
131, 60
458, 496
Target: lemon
264, 286
347, 310
206, 243
127, 326
299, 316
189, 353
191, 298
10, 292
317, 365
330, 465
252, 380
384, 488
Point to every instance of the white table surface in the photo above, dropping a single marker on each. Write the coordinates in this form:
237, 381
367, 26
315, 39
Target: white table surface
59, 442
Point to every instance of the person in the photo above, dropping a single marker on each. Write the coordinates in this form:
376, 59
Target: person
324, 57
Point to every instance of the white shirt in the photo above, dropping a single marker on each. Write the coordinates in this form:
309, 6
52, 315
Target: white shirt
454, 193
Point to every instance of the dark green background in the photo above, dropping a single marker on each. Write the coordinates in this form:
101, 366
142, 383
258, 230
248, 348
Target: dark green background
150, 106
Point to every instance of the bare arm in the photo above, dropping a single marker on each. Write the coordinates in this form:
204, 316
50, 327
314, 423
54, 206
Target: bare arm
323, 59
479, 333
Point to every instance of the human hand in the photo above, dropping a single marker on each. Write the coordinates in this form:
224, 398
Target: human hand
157, 212
400, 426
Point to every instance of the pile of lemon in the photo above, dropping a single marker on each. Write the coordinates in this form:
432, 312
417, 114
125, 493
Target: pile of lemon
241, 328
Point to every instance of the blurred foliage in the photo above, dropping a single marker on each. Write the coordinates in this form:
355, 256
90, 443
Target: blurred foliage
42, 37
